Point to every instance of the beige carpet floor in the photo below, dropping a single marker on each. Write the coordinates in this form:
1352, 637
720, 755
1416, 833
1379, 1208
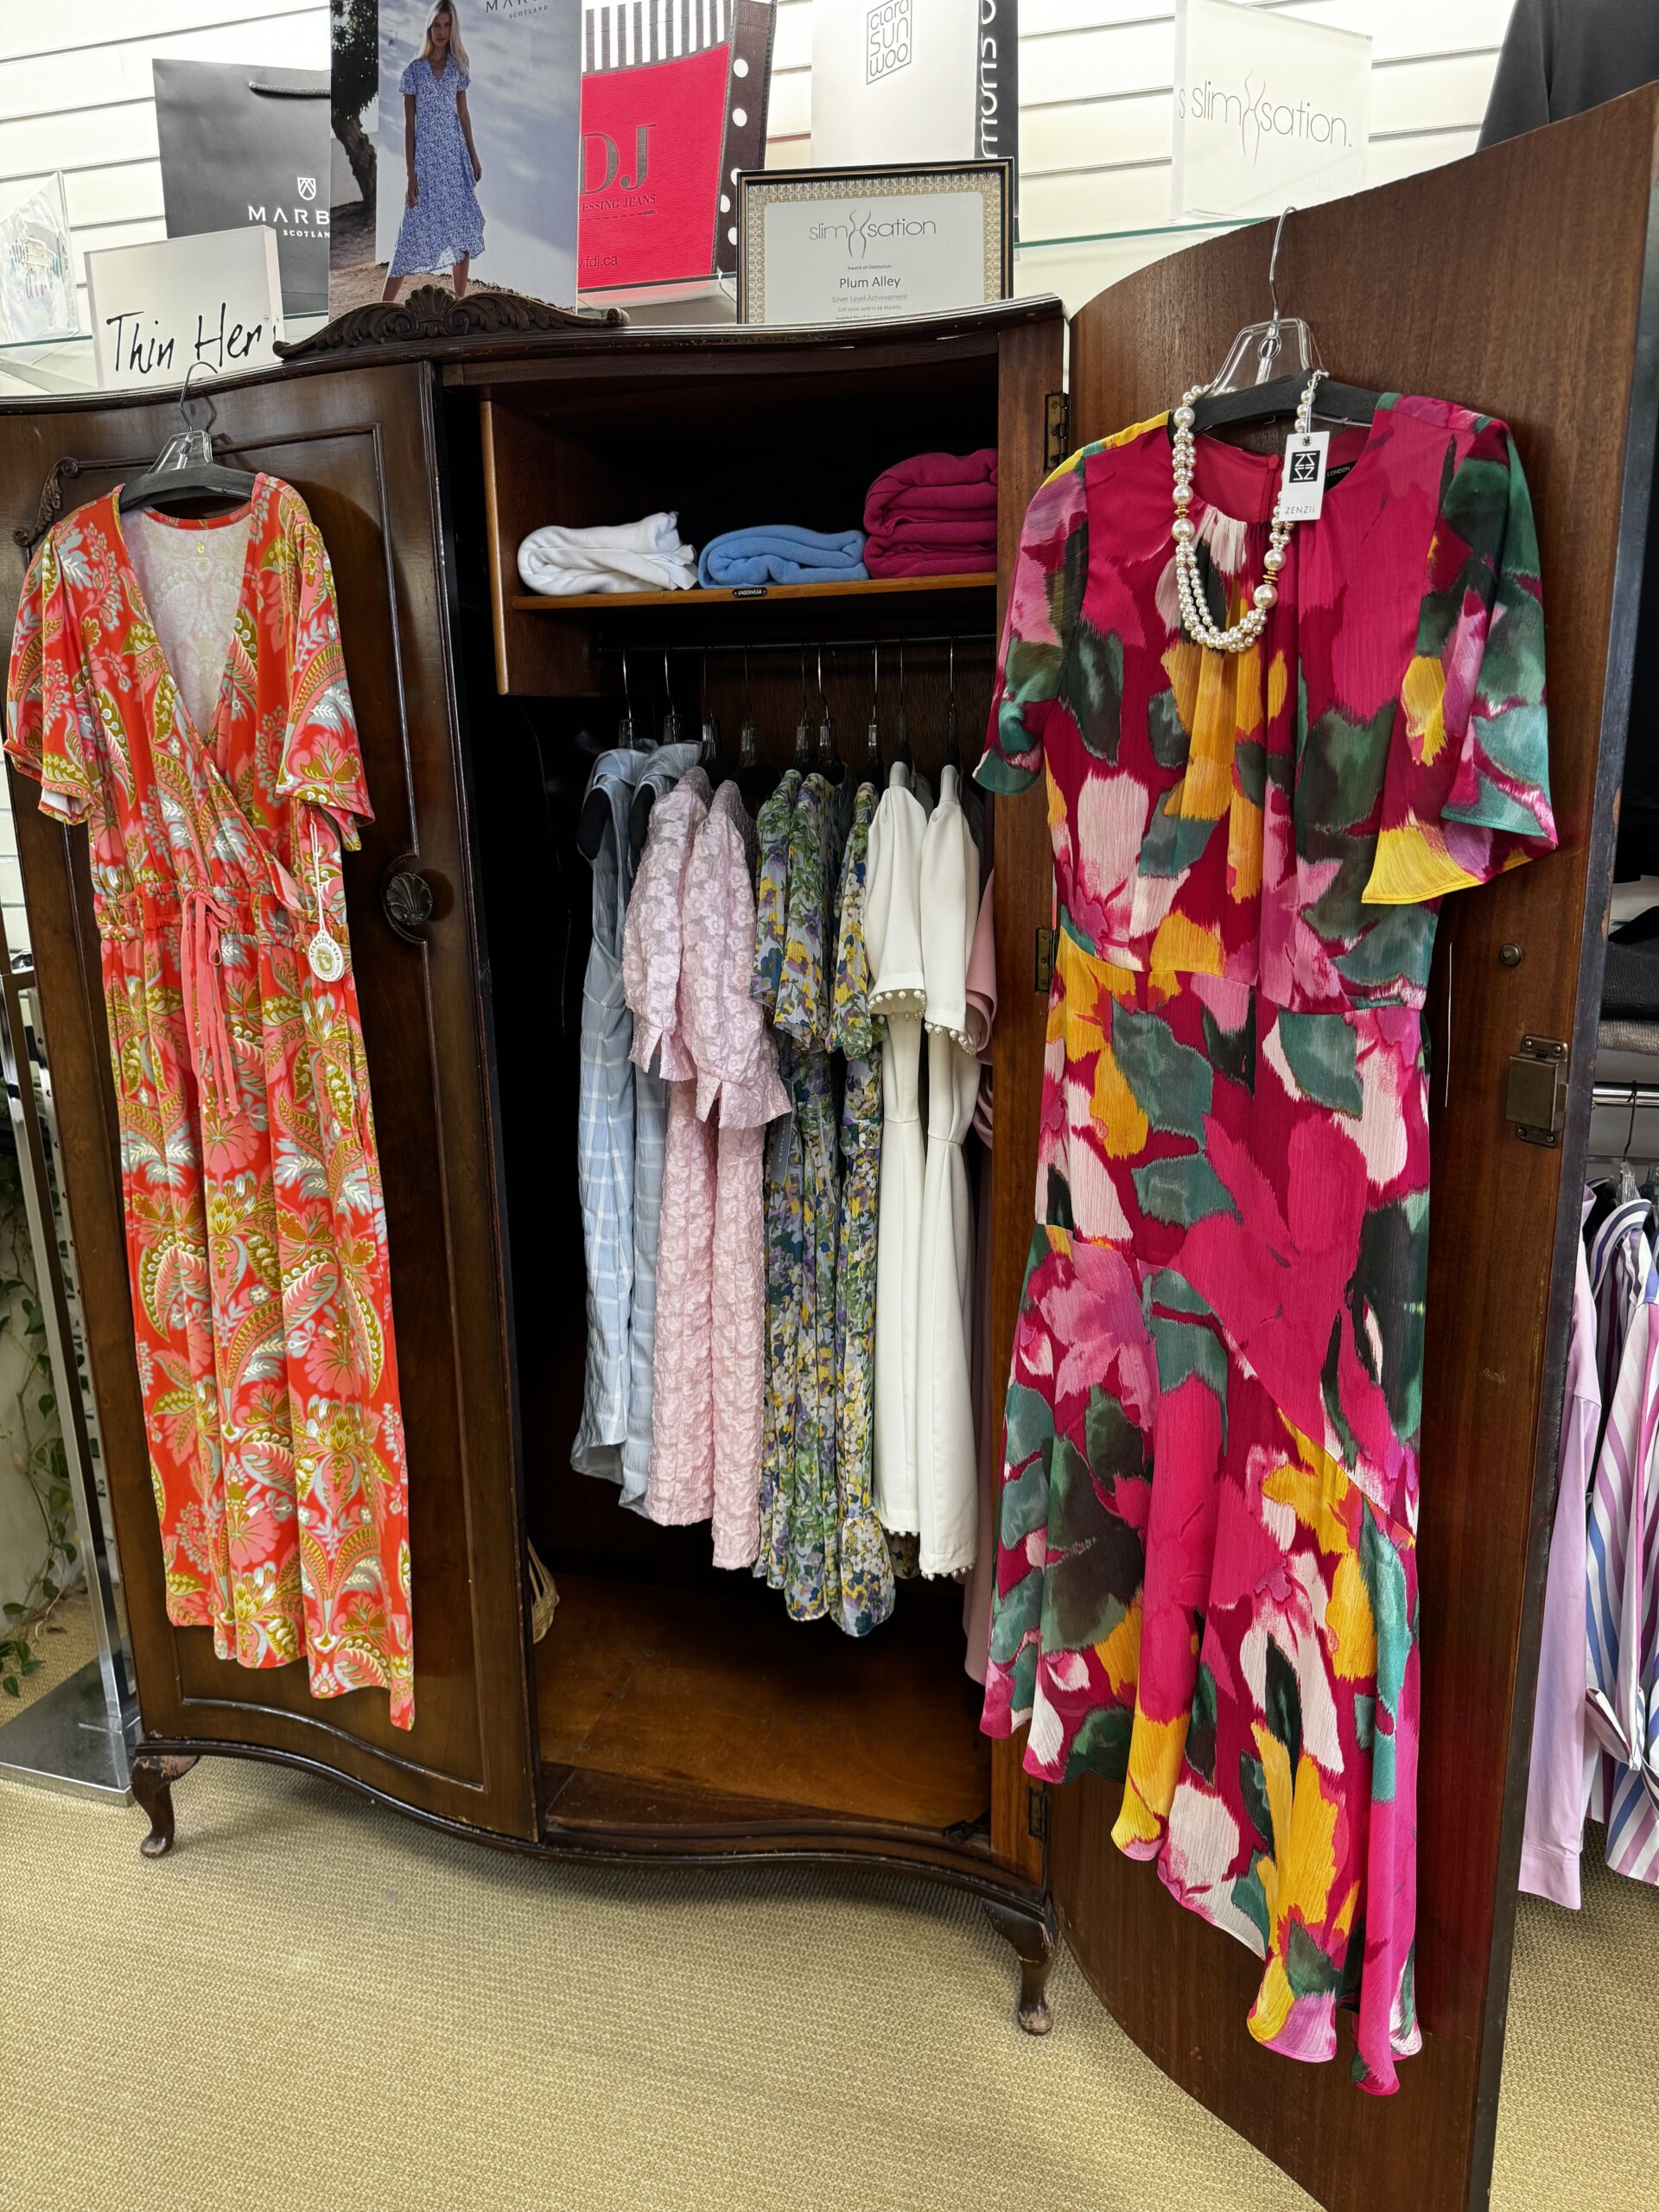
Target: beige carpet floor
316, 2005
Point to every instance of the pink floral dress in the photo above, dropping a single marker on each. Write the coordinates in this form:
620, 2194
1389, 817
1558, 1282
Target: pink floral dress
256, 1232
1207, 1579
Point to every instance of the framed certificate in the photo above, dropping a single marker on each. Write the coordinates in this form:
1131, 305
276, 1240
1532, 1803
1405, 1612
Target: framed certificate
843, 246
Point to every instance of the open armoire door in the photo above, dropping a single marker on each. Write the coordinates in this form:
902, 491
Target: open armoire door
361, 448
1517, 283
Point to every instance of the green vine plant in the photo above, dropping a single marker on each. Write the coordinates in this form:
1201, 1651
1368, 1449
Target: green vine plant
35, 1438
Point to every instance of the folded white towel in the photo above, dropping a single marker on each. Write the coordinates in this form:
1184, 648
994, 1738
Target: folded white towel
645, 555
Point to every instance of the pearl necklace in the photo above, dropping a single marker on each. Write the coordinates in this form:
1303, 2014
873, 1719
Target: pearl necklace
1195, 614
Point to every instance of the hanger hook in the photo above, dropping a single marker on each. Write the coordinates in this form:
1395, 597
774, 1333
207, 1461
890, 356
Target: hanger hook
184, 392
1273, 259
1630, 1138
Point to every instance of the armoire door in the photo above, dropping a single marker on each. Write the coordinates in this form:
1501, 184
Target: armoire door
360, 447
1512, 283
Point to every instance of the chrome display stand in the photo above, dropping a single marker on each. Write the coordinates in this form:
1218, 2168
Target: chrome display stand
77, 1737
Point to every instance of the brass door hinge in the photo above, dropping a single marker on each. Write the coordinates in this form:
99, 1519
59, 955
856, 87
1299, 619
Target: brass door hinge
1535, 1099
1057, 430
1037, 1811
1046, 941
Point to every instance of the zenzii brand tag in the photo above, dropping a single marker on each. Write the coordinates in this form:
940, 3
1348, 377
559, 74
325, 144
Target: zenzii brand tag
1301, 495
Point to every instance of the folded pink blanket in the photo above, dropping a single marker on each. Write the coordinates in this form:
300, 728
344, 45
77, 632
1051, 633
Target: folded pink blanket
928, 561
931, 484
938, 531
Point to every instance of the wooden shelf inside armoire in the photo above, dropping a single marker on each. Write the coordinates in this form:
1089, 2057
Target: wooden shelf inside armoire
713, 1692
616, 602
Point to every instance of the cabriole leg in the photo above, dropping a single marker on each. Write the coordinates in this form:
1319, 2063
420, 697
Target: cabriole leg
1031, 1934
154, 1774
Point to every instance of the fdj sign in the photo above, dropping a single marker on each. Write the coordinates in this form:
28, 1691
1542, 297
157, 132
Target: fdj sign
886, 39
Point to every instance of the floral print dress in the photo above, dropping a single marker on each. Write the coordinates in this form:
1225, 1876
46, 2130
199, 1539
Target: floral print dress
1207, 1582
446, 223
255, 1226
866, 1569
800, 1513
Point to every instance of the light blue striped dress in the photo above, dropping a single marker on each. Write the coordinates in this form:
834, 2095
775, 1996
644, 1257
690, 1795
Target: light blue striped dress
622, 1122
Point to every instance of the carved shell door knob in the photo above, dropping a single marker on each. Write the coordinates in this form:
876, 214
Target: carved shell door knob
408, 900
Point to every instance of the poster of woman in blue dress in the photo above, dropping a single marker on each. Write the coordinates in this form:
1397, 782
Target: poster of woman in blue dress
463, 120
442, 226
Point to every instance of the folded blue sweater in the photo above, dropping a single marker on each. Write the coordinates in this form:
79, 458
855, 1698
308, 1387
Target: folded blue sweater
778, 553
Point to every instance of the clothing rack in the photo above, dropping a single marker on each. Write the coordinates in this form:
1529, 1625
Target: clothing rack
649, 647
1625, 1094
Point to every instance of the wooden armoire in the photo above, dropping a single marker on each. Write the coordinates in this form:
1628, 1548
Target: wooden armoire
670, 1715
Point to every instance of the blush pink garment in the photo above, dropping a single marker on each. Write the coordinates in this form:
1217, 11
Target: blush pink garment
680, 1476
1563, 1753
933, 515
738, 1093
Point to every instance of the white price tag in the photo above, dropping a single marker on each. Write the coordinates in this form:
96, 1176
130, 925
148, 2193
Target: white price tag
1301, 496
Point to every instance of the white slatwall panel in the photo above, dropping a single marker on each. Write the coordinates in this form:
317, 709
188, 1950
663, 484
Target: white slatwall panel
1095, 83
76, 94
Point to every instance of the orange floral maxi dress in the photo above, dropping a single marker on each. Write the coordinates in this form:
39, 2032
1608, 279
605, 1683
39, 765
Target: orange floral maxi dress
179, 687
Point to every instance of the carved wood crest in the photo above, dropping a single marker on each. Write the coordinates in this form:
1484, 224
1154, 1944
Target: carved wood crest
431, 311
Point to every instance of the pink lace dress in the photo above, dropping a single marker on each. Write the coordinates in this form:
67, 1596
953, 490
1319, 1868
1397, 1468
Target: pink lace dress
738, 1093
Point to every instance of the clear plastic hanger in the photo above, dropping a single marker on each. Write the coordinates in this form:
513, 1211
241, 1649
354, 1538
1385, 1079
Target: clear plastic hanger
1267, 366
1281, 347
803, 728
873, 733
185, 468
828, 758
673, 725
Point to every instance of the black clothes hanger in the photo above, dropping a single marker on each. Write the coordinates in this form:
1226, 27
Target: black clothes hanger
185, 469
1333, 402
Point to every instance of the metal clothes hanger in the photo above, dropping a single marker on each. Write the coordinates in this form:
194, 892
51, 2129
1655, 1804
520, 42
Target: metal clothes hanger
185, 469
952, 750
1267, 369
873, 734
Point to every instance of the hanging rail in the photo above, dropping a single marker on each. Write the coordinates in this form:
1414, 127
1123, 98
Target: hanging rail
604, 651
1625, 1094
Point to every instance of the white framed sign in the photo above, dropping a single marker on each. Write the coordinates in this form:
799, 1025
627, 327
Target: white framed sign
1270, 110
157, 309
845, 245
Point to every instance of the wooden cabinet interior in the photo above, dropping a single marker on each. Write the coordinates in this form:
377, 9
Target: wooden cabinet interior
660, 1673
